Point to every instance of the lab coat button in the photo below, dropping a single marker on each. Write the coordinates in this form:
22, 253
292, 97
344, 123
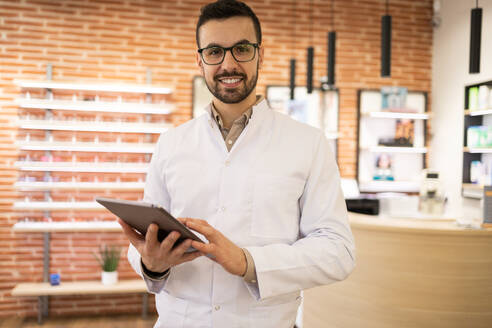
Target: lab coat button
217, 307
227, 162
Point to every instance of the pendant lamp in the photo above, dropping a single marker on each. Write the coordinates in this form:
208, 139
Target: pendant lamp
292, 80
310, 52
386, 44
292, 83
475, 39
332, 36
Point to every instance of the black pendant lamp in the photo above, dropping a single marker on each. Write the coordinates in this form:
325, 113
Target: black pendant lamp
386, 44
292, 83
332, 36
292, 80
475, 39
310, 52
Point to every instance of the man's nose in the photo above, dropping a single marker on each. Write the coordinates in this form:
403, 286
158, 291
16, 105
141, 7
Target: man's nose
229, 61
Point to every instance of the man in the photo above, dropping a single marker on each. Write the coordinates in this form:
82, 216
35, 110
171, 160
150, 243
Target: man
263, 189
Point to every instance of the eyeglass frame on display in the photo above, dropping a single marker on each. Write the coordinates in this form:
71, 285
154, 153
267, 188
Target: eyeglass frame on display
225, 49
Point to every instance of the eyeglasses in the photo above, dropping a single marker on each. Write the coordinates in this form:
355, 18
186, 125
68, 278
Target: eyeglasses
242, 52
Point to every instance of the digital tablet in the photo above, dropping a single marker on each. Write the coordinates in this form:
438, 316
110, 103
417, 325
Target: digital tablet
140, 215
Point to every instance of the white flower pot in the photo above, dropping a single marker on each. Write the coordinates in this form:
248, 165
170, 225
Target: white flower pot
109, 278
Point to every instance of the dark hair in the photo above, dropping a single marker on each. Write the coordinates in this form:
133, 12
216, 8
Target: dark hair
222, 9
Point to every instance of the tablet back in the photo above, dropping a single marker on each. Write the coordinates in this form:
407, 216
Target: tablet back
140, 215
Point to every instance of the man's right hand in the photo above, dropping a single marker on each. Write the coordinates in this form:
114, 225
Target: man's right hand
159, 256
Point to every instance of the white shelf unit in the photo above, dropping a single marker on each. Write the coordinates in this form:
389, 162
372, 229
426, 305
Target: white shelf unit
389, 186
375, 123
109, 147
86, 99
96, 186
483, 154
93, 86
106, 167
53, 226
57, 125
478, 112
95, 106
86, 115
401, 115
57, 206
478, 150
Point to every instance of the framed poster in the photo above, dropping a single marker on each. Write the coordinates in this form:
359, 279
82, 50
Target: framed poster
319, 109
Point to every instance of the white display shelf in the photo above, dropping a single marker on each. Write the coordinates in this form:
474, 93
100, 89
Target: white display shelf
57, 206
96, 106
67, 226
478, 112
103, 167
86, 126
101, 87
397, 115
40, 185
383, 149
478, 150
389, 186
472, 190
110, 147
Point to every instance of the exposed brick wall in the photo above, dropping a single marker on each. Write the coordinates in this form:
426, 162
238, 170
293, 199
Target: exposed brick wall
117, 40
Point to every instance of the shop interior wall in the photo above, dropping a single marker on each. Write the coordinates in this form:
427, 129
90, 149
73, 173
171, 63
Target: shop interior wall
117, 40
450, 75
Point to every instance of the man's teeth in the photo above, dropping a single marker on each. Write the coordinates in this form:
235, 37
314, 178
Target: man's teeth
231, 80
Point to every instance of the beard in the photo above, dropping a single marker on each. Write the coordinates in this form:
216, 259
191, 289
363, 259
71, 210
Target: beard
232, 95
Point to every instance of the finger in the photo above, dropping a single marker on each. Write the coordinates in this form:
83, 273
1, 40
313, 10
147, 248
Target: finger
151, 235
179, 250
187, 257
204, 248
202, 227
182, 220
135, 238
168, 242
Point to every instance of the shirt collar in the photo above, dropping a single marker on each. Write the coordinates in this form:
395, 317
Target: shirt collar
246, 116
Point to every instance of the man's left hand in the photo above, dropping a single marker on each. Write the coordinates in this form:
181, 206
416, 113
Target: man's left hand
223, 251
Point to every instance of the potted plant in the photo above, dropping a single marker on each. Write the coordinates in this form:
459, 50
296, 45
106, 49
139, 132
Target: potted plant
109, 258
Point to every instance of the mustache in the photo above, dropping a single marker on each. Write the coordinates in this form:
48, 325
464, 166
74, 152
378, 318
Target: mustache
229, 74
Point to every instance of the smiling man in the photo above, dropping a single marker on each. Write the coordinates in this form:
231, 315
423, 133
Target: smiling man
261, 188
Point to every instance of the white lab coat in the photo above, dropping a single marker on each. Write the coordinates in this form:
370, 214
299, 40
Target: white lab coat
276, 193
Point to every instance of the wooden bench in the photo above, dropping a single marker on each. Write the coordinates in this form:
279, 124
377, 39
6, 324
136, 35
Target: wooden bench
81, 288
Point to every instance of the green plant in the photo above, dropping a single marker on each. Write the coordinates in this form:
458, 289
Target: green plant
108, 258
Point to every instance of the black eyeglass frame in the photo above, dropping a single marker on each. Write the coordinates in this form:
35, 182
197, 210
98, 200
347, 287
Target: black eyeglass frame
255, 46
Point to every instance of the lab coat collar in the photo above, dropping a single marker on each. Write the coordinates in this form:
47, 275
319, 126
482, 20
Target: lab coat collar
260, 107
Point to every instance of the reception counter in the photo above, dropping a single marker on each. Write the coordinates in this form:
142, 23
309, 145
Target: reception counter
409, 273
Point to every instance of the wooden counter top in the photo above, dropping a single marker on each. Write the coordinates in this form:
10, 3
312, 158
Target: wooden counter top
412, 225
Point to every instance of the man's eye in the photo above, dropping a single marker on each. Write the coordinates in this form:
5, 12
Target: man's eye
214, 51
242, 48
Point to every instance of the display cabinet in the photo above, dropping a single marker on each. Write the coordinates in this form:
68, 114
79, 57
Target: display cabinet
391, 142
319, 109
477, 139
77, 141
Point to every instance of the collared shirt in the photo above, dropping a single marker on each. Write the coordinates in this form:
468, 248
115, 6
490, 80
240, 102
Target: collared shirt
276, 193
230, 135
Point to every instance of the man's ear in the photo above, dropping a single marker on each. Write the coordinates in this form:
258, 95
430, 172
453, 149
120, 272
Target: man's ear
199, 63
261, 53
